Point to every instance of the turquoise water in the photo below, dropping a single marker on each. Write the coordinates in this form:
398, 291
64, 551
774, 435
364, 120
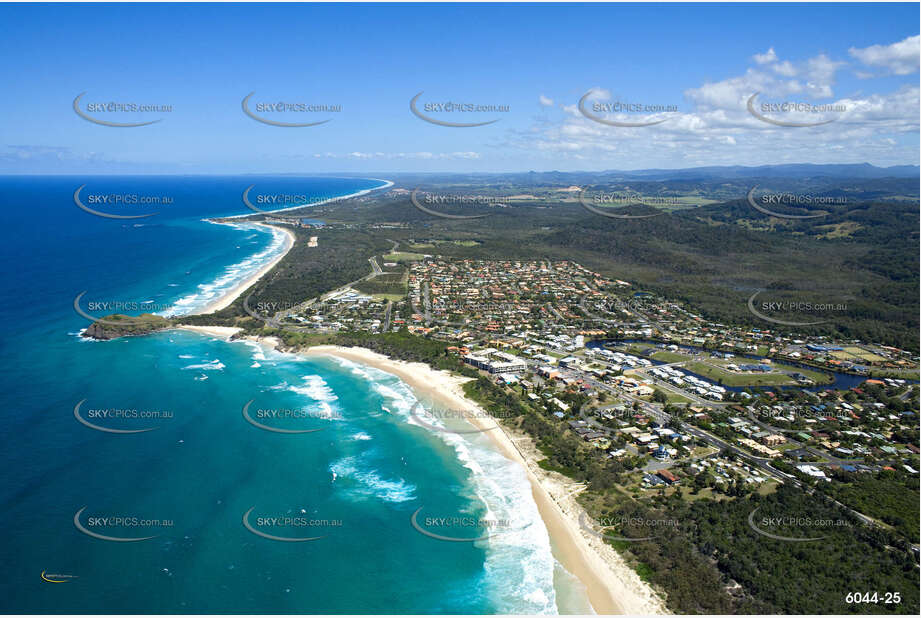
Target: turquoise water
355, 476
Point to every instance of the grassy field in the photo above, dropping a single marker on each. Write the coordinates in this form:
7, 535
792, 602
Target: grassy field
730, 378
675, 398
855, 353
670, 357
403, 257
435, 243
391, 285
713, 370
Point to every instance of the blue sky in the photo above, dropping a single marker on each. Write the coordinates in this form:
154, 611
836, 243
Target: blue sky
537, 59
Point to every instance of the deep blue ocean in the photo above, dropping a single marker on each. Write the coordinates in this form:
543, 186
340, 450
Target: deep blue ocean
350, 480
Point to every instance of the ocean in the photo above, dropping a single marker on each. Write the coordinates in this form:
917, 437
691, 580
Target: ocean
182, 473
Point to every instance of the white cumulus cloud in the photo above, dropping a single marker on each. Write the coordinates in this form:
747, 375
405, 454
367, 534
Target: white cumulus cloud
765, 58
900, 58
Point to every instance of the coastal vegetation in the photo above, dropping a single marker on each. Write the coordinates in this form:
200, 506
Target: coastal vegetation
304, 273
117, 325
713, 257
713, 561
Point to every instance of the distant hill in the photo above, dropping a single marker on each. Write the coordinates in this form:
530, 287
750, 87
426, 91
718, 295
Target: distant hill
849, 171
790, 170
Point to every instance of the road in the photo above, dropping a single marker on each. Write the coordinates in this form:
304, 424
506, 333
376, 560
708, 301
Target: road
387, 310
426, 303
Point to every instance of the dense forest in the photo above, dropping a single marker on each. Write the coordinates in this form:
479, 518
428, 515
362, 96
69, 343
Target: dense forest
714, 547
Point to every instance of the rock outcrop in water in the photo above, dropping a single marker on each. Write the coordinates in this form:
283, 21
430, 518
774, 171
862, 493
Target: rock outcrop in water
116, 325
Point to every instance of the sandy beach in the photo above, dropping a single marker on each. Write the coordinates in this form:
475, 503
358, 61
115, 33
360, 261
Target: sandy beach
222, 332
612, 586
232, 294
387, 184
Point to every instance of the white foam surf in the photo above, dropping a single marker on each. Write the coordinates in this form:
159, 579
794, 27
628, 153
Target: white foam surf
519, 561
233, 275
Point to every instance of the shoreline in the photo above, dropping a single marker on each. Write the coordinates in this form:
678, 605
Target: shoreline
228, 297
387, 184
612, 587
